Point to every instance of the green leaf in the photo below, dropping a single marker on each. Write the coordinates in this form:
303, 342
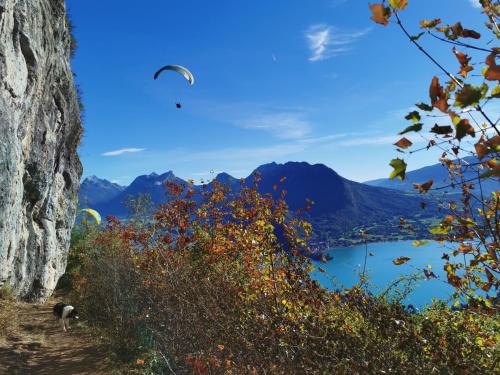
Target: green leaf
417, 37
413, 116
470, 95
495, 93
399, 169
424, 107
412, 128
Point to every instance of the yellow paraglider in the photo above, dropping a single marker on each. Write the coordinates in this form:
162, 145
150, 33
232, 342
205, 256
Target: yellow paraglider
95, 215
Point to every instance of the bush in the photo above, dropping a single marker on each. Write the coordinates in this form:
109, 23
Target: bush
8, 313
216, 285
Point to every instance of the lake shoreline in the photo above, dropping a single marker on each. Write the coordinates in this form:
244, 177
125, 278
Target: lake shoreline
344, 268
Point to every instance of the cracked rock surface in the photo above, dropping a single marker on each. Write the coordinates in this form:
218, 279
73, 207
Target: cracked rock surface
40, 129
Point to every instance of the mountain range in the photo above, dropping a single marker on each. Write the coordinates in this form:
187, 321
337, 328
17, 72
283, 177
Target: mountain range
340, 206
439, 174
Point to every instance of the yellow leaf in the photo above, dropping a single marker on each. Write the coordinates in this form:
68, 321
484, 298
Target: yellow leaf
398, 4
418, 243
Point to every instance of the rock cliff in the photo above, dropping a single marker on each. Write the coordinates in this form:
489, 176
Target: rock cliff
40, 129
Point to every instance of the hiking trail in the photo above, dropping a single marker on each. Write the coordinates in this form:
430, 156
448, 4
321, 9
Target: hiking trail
41, 347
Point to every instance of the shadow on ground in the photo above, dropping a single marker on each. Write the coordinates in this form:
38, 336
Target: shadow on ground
41, 347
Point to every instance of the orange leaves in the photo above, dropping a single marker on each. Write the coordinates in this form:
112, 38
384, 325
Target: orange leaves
486, 146
403, 143
401, 260
453, 279
492, 73
380, 13
426, 24
139, 362
424, 188
442, 130
466, 33
481, 149
457, 31
448, 219
464, 61
439, 98
199, 366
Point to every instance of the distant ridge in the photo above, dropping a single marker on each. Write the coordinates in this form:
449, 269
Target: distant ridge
152, 184
340, 205
94, 191
436, 172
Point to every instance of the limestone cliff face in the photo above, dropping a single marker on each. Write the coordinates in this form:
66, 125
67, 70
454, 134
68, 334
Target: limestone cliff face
40, 129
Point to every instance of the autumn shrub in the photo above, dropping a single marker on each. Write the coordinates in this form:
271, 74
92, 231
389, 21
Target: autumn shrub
8, 313
217, 284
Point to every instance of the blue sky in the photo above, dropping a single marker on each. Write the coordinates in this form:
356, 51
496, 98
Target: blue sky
276, 80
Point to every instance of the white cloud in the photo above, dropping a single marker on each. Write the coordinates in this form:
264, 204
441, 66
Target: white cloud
318, 38
326, 41
370, 140
286, 125
123, 151
322, 139
475, 3
245, 154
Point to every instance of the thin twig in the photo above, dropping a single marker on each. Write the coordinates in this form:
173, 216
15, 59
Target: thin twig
462, 44
452, 77
442, 68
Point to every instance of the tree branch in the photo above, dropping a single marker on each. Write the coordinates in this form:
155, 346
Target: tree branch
461, 44
452, 77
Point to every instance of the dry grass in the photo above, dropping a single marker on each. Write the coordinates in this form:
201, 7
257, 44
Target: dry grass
9, 323
195, 293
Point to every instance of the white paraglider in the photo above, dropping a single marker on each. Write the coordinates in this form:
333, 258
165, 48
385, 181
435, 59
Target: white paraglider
179, 69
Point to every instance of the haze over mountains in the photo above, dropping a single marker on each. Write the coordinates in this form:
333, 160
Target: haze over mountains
340, 205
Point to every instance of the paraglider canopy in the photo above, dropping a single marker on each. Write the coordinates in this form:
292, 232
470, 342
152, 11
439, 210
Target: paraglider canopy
179, 69
93, 213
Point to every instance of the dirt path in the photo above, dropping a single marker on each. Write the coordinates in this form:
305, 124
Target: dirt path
41, 347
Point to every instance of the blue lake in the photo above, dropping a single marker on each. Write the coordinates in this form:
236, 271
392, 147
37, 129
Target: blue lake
347, 264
